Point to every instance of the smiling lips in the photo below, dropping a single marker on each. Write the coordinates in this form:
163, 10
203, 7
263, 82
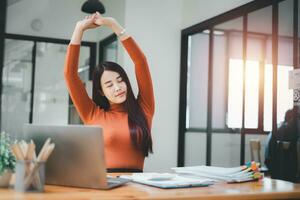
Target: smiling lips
120, 94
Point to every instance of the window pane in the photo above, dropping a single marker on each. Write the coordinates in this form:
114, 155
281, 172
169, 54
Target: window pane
235, 93
268, 101
219, 95
50, 93
16, 86
197, 81
195, 149
251, 94
227, 44
111, 52
226, 149
284, 94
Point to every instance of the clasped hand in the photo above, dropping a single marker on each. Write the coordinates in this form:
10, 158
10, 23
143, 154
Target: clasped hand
93, 21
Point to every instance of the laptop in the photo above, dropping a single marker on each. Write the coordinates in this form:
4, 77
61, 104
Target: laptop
78, 158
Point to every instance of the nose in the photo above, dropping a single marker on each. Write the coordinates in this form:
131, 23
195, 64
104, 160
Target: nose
117, 88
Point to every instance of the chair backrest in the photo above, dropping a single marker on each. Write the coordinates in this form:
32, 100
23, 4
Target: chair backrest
283, 151
255, 147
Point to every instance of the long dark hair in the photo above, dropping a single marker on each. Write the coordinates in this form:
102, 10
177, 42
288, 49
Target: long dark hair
138, 126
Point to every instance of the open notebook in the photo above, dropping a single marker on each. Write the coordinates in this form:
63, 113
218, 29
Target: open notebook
167, 180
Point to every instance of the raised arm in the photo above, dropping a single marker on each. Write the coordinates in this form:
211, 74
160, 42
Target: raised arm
143, 76
84, 105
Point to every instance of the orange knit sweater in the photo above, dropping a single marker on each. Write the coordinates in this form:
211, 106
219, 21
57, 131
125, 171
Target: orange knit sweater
119, 150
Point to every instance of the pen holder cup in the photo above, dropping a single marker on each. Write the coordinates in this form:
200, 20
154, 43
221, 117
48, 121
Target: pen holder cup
30, 176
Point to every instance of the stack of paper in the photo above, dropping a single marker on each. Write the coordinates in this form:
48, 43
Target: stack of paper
248, 172
167, 180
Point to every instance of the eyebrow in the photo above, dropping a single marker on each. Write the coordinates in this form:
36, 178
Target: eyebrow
111, 81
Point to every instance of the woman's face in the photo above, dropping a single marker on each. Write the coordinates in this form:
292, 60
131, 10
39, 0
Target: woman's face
113, 87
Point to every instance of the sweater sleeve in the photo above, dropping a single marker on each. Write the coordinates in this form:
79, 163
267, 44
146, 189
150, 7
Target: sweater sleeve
143, 76
83, 103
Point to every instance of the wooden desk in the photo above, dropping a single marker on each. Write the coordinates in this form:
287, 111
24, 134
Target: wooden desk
263, 189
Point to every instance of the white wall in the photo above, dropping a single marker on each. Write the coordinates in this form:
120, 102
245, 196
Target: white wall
58, 18
156, 26
195, 11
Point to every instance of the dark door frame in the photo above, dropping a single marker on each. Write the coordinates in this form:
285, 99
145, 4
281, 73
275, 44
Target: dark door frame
3, 10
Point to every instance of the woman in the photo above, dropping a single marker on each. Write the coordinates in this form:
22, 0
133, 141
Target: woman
126, 121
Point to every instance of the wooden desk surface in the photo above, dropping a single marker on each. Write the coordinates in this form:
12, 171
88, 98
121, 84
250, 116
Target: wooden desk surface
263, 189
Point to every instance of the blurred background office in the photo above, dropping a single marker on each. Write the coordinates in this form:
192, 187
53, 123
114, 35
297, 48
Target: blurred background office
220, 70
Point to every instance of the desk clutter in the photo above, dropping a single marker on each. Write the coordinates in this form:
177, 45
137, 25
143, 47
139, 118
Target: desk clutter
30, 171
30, 168
198, 176
248, 172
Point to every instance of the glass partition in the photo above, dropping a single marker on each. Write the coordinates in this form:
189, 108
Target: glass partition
195, 152
227, 92
242, 85
259, 55
110, 51
197, 81
16, 86
34, 87
227, 74
50, 93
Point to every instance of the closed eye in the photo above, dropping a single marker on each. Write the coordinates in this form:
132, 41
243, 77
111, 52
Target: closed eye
119, 79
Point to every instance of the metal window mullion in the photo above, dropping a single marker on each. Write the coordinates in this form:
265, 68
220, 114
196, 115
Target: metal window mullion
261, 102
295, 42
209, 98
275, 63
3, 10
182, 100
93, 58
33, 61
226, 85
245, 24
